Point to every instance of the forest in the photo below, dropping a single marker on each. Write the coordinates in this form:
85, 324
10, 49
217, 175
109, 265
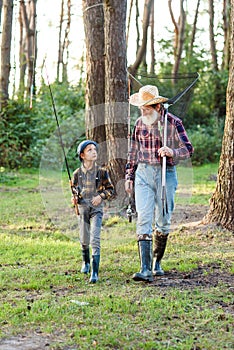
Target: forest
68, 69
195, 41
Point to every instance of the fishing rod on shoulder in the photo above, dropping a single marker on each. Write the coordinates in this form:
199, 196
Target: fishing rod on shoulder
74, 191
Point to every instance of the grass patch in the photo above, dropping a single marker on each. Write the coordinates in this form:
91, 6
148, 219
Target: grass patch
42, 291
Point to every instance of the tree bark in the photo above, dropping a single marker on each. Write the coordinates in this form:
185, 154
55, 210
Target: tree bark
179, 36
28, 44
116, 89
95, 72
212, 39
221, 209
6, 51
141, 53
226, 31
62, 62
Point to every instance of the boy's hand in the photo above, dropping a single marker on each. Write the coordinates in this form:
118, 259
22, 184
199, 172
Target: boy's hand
74, 200
96, 200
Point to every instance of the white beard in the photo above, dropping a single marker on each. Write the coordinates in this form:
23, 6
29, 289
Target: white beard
149, 120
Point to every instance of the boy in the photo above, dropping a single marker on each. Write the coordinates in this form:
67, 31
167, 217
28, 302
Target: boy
94, 186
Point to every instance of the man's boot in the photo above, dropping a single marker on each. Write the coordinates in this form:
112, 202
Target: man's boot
160, 242
145, 253
86, 261
95, 268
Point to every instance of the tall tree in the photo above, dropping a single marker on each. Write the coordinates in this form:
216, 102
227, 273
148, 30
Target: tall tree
179, 35
28, 47
116, 89
95, 71
141, 52
221, 209
6, 50
226, 31
63, 52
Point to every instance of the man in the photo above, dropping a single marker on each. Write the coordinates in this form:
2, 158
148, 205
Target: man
144, 167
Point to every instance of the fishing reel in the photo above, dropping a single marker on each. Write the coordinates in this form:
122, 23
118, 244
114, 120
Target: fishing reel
129, 212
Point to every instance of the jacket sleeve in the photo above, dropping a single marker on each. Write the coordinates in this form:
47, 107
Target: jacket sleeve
105, 188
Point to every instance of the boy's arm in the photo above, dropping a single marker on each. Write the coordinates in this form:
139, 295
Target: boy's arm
106, 189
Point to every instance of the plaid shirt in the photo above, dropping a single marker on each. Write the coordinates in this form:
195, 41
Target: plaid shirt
147, 139
92, 182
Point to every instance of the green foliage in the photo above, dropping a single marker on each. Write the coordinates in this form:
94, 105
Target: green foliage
207, 143
25, 132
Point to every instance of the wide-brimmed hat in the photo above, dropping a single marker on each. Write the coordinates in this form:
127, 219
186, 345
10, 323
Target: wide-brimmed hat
147, 95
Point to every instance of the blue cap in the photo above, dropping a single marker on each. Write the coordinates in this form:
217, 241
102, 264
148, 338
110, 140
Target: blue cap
83, 145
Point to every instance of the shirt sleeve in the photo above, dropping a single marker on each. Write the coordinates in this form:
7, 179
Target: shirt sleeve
184, 147
106, 187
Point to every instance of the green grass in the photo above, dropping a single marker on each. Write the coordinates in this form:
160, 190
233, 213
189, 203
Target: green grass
42, 291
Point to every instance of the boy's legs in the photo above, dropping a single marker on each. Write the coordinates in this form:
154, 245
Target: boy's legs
95, 234
84, 218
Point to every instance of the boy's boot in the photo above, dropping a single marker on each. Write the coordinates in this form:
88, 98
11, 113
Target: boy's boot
160, 242
86, 261
95, 268
145, 253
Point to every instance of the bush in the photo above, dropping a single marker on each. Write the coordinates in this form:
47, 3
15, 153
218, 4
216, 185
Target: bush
207, 145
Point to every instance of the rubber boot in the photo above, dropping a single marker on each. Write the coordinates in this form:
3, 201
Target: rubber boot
160, 242
95, 268
145, 253
86, 261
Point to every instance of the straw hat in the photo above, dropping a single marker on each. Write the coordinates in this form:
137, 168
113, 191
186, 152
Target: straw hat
147, 95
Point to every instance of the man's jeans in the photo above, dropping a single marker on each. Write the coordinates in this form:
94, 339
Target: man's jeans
148, 188
90, 227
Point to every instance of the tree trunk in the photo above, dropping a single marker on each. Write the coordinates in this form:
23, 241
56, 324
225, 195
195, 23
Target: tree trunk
221, 209
62, 62
116, 91
226, 31
6, 51
28, 44
194, 30
141, 53
95, 69
179, 36
213, 50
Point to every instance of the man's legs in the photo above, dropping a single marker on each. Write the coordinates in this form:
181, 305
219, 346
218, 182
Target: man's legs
144, 196
163, 218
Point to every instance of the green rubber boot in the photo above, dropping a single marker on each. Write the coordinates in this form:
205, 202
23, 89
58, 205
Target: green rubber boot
86, 261
160, 242
145, 253
95, 268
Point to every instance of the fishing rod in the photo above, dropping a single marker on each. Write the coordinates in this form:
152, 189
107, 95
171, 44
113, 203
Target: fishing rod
73, 189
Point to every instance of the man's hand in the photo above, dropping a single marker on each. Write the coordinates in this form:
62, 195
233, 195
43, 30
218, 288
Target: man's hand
128, 186
165, 151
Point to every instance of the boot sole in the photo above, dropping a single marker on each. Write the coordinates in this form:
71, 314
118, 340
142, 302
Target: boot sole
144, 279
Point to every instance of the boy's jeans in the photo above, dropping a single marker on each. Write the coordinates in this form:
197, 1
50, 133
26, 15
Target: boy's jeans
148, 198
90, 227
